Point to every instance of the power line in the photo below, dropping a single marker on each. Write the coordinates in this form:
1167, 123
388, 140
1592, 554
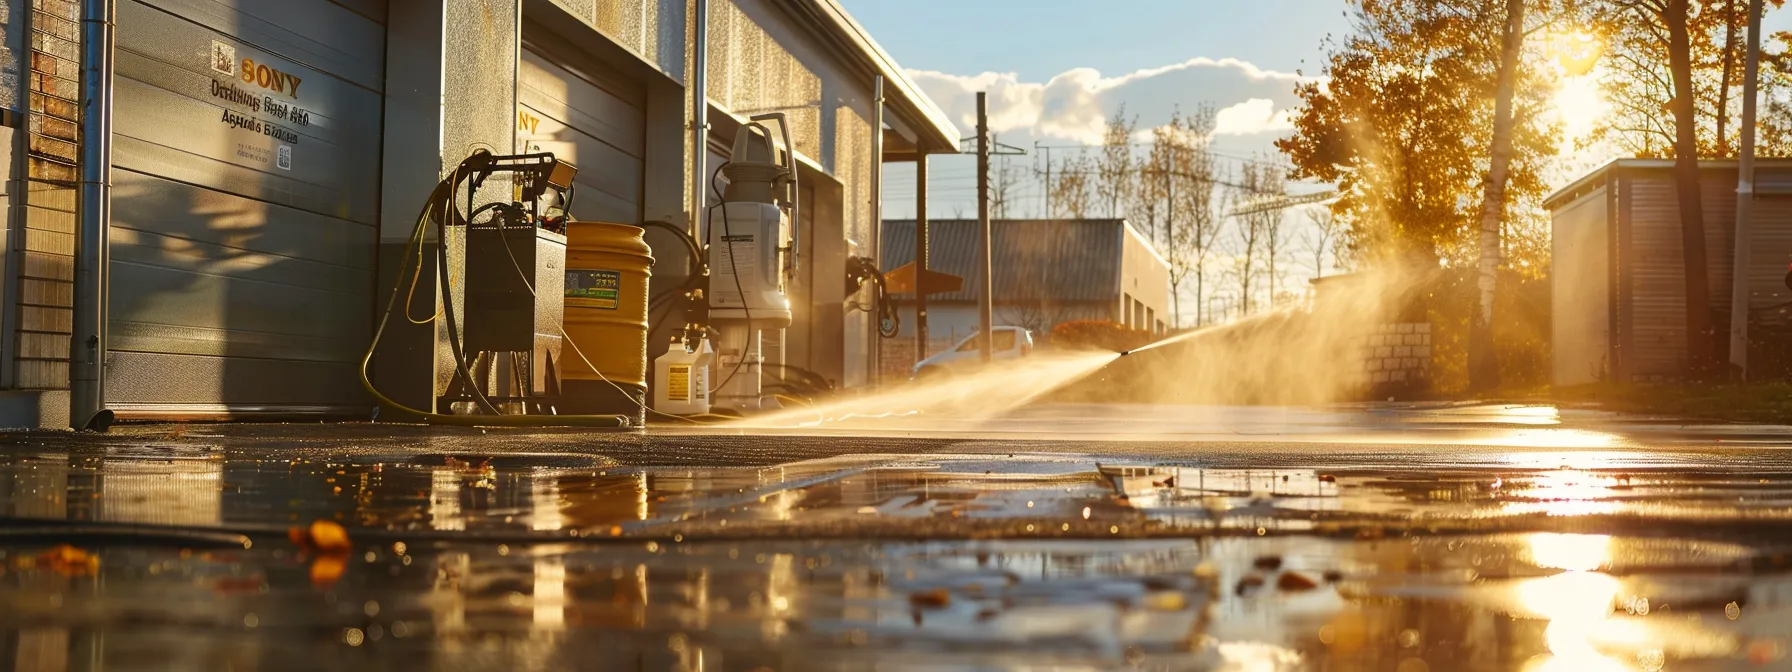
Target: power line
1146, 143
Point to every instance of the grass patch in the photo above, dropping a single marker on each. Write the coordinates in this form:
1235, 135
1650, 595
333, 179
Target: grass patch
1763, 402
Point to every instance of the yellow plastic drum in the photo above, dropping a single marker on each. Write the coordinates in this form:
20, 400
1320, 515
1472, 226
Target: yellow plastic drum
607, 267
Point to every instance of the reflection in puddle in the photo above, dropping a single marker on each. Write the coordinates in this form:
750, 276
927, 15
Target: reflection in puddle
1548, 438
1398, 597
1570, 552
1566, 493
1577, 603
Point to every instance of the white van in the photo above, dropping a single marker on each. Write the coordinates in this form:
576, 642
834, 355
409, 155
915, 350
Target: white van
1009, 343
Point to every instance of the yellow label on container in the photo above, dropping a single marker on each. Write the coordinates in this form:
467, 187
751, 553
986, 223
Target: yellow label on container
678, 382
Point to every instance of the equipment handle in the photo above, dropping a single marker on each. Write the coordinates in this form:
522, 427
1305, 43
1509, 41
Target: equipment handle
795, 195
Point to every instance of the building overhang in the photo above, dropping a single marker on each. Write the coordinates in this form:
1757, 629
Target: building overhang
913, 117
1596, 177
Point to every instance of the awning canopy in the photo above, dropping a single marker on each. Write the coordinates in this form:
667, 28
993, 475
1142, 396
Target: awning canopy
902, 281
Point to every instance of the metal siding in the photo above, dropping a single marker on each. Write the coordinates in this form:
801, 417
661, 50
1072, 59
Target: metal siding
1718, 201
602, 130
374, 10
231, 267
1618, 280
1651, 311
1657, 301
323, 35
1579, 294
1771, 256
1064, 260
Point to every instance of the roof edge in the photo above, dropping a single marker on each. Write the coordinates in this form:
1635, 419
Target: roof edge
938, 132
1576, 188
1149, 246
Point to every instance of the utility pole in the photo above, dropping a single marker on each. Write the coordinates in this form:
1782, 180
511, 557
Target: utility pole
1745, 200
985, 317
1170, 235
921, 256
1047, 187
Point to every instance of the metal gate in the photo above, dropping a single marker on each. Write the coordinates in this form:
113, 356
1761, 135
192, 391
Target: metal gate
592, 119
246, 169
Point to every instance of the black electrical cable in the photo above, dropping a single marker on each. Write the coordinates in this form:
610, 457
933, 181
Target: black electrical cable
699, 272
728, 239
645, 408
454, 344
698, 265
476, 162
889, 321
820, 382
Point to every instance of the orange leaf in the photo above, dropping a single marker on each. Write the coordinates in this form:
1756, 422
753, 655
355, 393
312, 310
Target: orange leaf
326, 570
329, 537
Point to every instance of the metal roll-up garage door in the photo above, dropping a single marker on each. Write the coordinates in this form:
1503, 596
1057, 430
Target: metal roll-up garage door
590, 118
246, 173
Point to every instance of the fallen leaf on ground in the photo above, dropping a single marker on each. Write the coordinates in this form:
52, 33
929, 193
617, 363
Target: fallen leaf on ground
1166, 601
322, 535
68, 560
935, 598
1248, 583
326, 570
329, 536
1295, 582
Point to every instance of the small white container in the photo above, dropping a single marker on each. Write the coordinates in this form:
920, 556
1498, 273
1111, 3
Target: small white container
682, 379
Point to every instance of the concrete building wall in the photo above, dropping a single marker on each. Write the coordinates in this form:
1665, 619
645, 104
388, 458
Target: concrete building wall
1145, 280
444, 82
763, 59
449, 90
655, 31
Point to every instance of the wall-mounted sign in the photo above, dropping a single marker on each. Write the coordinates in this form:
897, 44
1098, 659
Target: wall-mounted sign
204, 105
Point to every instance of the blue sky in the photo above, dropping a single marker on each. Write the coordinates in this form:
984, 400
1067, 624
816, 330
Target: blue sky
1056, 68
1041, 38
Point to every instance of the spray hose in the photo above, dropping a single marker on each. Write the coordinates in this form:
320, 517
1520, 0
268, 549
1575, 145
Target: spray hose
861, 269
444, 193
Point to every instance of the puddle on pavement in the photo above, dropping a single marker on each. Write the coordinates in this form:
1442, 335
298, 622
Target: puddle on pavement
949, 562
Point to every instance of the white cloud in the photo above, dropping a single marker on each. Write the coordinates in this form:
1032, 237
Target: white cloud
1074, 105
1257, 115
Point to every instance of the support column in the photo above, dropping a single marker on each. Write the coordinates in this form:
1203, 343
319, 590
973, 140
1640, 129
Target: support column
450, 88
87, 350
920, 255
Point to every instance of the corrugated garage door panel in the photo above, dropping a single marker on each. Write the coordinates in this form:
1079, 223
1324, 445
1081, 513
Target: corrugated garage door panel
245, 197
593, 120
1658, 305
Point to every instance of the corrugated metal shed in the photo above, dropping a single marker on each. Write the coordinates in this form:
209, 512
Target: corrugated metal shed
1034, 259
1644, 336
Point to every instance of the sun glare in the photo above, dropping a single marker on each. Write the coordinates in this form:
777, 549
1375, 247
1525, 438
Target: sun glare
1579, 105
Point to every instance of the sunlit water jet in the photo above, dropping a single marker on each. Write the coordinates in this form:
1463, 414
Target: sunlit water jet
1208, 331
946, 402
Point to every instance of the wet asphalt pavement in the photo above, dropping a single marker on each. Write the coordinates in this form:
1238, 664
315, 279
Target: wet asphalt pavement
1352, 538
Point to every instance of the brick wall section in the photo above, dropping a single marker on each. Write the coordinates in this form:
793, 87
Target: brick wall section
46, 241
1396, 354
